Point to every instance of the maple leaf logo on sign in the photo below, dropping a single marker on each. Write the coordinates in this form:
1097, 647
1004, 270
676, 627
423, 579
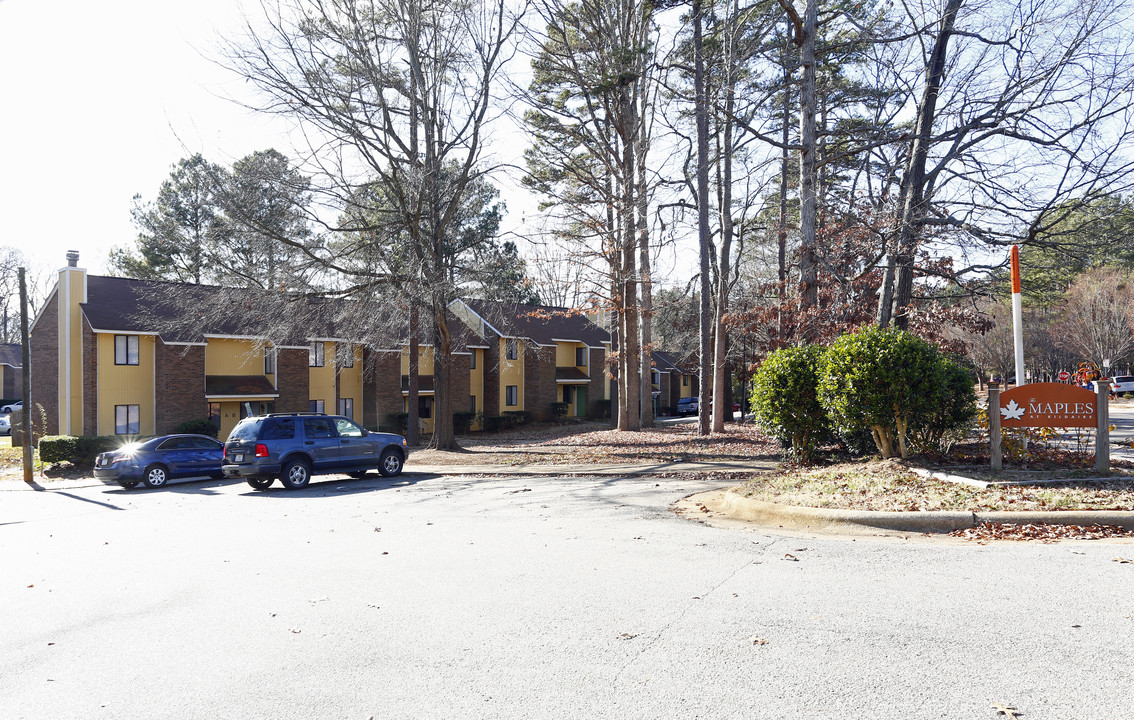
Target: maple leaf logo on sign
1012, 411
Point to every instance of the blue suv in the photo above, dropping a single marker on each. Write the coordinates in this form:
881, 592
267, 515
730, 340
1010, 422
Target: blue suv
296, 446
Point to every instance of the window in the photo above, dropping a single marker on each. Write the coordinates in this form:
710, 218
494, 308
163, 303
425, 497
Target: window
269, 361
125, 349
472, 360
511, 352
215, 414
580, 357
348, 429
512, 395
315, 406
126, 418
655, 377
315, 354
346, 355
425, 407
252, 408
346, 407
278, 429
315, 428
685, 380
472, 404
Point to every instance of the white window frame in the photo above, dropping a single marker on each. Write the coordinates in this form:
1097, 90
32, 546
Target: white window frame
127, 355
127, 419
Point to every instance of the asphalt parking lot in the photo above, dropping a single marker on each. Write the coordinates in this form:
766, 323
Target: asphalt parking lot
517, 597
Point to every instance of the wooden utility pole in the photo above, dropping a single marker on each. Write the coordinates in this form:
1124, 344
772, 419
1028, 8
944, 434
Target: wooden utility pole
25, 424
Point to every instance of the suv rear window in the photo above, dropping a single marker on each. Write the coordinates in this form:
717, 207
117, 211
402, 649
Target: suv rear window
244, 431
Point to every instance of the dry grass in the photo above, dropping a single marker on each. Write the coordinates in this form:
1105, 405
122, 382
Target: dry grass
889, 485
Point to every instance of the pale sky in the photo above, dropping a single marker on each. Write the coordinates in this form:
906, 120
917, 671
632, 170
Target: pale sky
100, 100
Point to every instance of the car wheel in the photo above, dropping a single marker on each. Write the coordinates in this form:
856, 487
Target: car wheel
155, 476
295, 474
128, 483
260, 483
390, 463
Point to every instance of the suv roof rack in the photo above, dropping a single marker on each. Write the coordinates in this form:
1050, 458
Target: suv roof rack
291, 414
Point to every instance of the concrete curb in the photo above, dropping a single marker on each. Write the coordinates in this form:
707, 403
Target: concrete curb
737, 506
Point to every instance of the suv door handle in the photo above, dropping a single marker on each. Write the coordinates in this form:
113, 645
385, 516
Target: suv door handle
309, 442
346, 442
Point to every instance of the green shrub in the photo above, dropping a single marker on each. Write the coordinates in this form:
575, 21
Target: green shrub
399, 421
785, 400
559, 410
462, 421
939, 425
495, 423
603, 408
81, 450
515, 418
884, 380
199, 427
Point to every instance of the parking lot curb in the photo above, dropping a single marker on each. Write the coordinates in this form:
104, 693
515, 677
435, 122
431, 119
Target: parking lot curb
736, 506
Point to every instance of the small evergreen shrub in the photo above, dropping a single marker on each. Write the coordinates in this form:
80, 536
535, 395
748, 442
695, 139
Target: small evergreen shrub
559, 410
199, 427
785, 399
77, 450
399, 421
886, 381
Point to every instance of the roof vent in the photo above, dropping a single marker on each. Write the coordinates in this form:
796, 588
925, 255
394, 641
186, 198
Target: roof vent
72, 258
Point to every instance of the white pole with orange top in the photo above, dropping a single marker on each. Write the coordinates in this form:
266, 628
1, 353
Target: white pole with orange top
1017, 316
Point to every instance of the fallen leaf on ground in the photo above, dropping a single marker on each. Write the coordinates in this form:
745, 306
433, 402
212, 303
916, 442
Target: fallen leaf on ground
1006, 710
1123, 560
758, 640
1042, 532
789, 556
627, 636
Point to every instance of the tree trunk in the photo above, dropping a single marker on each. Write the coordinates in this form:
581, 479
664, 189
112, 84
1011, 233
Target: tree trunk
914, 205
412, 420
720, 348
703, 235
808, 162
443, 436
645, 286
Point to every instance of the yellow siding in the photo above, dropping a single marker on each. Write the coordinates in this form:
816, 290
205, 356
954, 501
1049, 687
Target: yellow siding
322, 380
230, 415
226, 356
424, 360
476, 384
125, 384
511, 373
350, 383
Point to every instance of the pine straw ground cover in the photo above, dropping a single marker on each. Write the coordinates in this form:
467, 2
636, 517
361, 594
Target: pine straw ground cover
593, 442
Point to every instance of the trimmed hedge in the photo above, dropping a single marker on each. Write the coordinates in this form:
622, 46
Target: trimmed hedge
199, 427
80, 450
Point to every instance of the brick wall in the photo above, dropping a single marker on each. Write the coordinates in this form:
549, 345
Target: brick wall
13, 385
293, 381
90, 379
492, 376
460, 386
540, 388
44, 363
386, 387
179, 385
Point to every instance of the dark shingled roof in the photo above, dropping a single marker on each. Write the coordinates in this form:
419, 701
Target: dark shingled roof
234, 385
664, 363
540, 323
571, 375
11, 354
186, 313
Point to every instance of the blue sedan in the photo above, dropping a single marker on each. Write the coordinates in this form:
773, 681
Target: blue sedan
156, 461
